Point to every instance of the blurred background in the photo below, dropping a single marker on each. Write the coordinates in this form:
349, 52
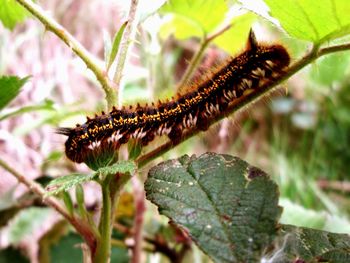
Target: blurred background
300, 134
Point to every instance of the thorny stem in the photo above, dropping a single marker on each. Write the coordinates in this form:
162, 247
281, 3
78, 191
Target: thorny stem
90, 61
125, 42
244, 101
197, 57
81, 227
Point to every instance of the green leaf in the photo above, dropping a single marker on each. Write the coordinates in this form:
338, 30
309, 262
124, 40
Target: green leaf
11, 13
80, 197
68, 202
12, 255
25, 223
115, 45
193, 18
10, 86
310, 245
64, 183
123, 167
314, 21
229, 208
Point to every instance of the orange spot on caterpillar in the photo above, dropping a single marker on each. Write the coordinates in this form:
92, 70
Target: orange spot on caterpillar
241, 75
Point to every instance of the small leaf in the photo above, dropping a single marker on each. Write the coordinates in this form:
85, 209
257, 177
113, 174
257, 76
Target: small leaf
306, 20
123, 167
80, 196
229, 208
64, 183
115, 45
68, 202
310, 245
9, 88
11, 13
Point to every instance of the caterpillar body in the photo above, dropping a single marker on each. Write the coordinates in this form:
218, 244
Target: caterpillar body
248, 71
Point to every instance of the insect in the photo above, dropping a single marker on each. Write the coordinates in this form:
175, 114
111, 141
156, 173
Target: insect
248, 71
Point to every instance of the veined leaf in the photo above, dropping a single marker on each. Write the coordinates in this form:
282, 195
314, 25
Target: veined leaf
64, 183
316, 21
123, 167
201, 18
229, 208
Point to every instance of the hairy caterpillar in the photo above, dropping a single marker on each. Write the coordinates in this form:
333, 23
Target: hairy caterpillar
248, 71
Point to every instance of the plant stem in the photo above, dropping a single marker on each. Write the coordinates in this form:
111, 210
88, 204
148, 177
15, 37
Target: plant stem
104, 243
244, 101
125, 42
111, 187
197, 57
90, 61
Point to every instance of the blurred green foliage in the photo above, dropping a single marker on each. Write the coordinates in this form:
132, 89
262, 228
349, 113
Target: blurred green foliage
11, 13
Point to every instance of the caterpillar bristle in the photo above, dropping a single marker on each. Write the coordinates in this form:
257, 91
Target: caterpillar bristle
252, 43
64, 131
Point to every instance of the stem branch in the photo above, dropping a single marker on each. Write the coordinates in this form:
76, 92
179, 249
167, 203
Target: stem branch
125, 42
104, 243
243, 101
81, 227
90, 61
